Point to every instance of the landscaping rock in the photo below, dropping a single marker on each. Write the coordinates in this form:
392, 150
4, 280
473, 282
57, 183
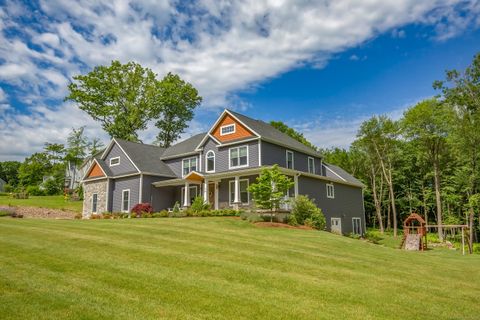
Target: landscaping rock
32, 212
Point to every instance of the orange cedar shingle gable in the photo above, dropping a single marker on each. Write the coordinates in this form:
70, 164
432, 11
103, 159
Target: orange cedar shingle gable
241, 131
96, 171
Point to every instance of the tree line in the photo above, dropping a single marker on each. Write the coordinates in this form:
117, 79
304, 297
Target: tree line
425, 162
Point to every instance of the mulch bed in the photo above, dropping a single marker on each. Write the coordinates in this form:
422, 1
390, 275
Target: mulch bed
280, 225
33, 212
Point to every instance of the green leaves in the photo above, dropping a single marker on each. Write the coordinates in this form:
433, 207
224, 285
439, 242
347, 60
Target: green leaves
124, 97
270, 189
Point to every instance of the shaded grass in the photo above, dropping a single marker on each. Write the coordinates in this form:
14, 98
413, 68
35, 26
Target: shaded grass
216, 268
53, 202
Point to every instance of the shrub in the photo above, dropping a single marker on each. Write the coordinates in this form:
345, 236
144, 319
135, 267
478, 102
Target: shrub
305, 212
161, 214
95, 216
255, 217
244, 215
52, 187
106, 215
142, 208
78, 216
198, 205
8, 188
35, 191
176, 207
373, 237
20, 195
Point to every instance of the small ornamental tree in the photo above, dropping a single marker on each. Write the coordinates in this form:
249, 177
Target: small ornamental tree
270, 189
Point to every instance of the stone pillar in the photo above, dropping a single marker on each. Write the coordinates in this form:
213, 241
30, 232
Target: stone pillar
186, 195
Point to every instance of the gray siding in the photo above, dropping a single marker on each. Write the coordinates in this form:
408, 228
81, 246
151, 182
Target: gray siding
223, 192
132, 183
176, 164
125, 165
274, 154
347, 204
163, 198
147, 187
221, 155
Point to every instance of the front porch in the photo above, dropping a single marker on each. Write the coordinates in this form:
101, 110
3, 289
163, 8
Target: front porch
220, 190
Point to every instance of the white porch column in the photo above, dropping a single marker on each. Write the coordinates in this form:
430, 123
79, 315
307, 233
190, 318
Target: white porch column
295, 187
205, 191
236, 198
216, 195
186, 195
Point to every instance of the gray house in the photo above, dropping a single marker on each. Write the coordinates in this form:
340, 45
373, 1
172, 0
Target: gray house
219, 165
2, 185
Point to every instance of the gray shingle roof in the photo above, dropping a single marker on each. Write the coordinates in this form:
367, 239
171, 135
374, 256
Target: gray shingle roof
271, 134
146, 157
342, 173
185, 146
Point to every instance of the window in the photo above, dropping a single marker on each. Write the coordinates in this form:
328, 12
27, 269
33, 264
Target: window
289, 159
114, 161
238, 157
126, 200
311, 165
227, 129
189, 165
210, 161
330, 191
244, 196
356, 226
193, 194
94, 202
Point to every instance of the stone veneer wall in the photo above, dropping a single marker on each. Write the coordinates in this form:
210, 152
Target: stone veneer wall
89, 188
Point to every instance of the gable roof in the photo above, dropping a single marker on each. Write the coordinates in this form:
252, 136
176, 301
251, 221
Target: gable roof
337, 172
146, 157
184, 147
273, 135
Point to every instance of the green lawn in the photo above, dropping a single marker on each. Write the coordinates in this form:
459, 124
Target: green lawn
53, 202
216, 268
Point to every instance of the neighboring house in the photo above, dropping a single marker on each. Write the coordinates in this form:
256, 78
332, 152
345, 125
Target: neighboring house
74, 174
219, 165
2, 185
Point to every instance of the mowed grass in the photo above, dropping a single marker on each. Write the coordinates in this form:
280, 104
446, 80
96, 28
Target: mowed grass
221, 268
52, 202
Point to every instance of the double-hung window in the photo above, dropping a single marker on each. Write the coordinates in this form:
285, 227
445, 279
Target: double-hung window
330, 191
189, 165
126, 200
289, 159
311, 165
94, 202
239, 157
244, 196
210, 161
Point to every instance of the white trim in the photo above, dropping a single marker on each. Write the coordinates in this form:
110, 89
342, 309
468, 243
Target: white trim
335, 173
140, 189
359, 225
218, 122
96, 204
90, 169
229, 159
123, 200
115, 164
330, 195
206, 161
216, 194
260, 152
308, 165
189, 193
230, 202
227, 126
293, 159
190, 165
237, 142
126, 154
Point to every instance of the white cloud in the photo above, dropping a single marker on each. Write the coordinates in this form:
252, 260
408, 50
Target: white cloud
222, 47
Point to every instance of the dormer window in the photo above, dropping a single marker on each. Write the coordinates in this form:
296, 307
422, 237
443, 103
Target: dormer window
227, 129
114, 161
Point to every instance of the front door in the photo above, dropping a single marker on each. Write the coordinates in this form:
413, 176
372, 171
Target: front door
211, 195
336, 225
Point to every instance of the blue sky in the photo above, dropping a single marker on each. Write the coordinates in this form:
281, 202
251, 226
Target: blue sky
322, 67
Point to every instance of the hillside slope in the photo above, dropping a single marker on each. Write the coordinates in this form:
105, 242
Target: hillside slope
215, 268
